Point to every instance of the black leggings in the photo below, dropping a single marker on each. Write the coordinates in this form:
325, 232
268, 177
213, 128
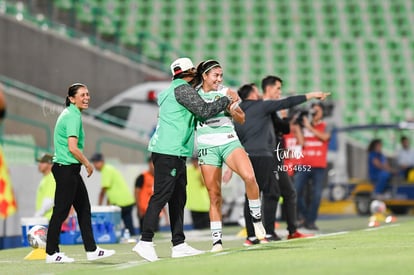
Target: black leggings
70, 190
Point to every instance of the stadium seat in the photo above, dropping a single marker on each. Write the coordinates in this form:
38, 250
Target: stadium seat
356, 49
86, 11
108, 18
353, 16
64, 4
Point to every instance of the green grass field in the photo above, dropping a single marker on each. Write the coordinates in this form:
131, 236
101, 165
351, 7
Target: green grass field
343, 246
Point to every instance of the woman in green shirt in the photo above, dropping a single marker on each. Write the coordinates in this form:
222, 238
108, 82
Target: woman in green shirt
69, 140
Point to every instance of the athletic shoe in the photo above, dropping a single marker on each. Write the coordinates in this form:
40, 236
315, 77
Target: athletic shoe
58, 258
184, 250
259, 230
99, 253
311, 226
217, 247
300, 223
298, 235
146, 250
255, 241
272, 238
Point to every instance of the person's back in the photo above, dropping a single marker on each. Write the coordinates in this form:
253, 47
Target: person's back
198, 201
405, 158
379, 171
175, 121
145, 184
374, 170
144, 188
117, 190
46, 190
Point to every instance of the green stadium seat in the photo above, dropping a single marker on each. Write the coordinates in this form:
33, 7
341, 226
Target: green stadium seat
63, 4
354, 17
310, 44
379, 26
401, 18
128, 36
108, 17
331, 19
112, 8
86, 11
107, 26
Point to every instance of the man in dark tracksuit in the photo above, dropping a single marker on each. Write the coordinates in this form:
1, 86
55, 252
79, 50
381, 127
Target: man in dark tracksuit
286, 186
258, 138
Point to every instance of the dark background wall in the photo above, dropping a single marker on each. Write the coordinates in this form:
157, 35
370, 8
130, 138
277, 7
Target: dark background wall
52, 62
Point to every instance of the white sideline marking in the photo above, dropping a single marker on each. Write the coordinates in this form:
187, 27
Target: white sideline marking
254, 247
382, 227
129, 264
327, 235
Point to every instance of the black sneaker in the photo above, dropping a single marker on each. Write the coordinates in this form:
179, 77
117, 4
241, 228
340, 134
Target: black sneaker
272, 238
311, 226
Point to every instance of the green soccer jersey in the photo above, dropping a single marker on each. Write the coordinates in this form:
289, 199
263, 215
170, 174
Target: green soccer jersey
218, 130
174, 134
68, 124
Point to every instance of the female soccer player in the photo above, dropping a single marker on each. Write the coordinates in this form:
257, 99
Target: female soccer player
217, 142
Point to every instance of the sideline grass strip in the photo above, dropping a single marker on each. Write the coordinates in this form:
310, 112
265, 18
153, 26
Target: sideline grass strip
385, 250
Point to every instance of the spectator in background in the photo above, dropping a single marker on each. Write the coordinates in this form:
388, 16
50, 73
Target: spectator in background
405, 157
198, 201
115, 189
144, 188
379, 170
311, 169
293, 142
45, 194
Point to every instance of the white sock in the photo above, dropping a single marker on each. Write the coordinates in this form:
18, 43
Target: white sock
255, 209
216, 228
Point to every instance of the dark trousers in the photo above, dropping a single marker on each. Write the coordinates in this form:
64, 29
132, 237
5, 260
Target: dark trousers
288, 192
126, 215
141, 224
201, 220
170, 180
301, 179
70, 190
264, 171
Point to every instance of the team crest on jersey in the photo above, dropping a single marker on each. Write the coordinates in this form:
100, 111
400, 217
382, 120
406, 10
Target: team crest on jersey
217, 97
